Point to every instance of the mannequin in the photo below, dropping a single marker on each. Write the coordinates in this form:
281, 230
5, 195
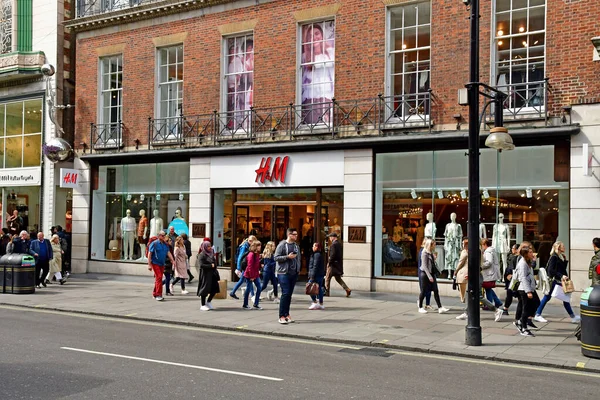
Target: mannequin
482, 232
430, 228
68, 221
335, 227
420, 233
398, 233
142, 234
177, 215
178, 223
452, 244
156, 224
128, 231
501, 239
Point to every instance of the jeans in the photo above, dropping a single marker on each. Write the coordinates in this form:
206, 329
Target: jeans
490, 294
179, 280
287, 282
239, 285
269, 276
42, 267
318, 280
427, 293
158, 276
256, 283
167, 282
547, 298
426, 285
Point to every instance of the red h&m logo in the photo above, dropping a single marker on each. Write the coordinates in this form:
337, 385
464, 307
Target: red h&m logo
70, 178
265, 173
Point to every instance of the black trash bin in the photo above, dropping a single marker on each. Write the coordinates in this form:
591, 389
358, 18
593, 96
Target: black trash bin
590, 322
18, 273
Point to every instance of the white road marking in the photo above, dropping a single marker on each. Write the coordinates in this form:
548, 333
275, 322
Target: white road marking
222, 371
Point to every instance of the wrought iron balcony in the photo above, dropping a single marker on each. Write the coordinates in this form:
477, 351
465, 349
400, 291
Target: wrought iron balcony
106, 136
86, 8
524, 101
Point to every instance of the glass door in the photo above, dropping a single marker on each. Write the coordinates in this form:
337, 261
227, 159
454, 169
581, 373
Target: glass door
281, 221
242, 224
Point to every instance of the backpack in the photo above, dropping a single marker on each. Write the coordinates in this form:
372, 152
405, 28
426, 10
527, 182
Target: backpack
244, 260
150, 240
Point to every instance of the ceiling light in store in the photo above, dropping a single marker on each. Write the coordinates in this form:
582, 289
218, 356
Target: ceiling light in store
521, 29
551, 199
538, 198
486, 194
463, 193
500, 32
529, 193
538, 192
521, 194
413, 194
555, 194
546, 193
440, 194
500, 42
142, 197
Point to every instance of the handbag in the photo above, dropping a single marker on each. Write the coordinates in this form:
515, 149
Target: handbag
454, 284
489, 285
559, 294
567, 285
312, 288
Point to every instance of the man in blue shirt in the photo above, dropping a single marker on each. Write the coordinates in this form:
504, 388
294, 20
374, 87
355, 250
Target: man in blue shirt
158, 252
42, 251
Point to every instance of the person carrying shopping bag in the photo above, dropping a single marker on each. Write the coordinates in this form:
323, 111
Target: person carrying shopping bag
316, 274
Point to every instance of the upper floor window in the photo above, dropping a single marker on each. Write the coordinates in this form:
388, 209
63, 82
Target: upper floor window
520, 41
6, 26
408, 59
21, 133
239, 80
170, 88
111, 90
317, 71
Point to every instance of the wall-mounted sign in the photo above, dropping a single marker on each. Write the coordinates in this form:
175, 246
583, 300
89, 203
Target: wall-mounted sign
357, 234
198, 230
21, 176
272, 169
69, 178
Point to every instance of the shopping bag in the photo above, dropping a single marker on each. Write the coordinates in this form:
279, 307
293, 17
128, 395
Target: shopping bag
559, 294
567, 285
312, 288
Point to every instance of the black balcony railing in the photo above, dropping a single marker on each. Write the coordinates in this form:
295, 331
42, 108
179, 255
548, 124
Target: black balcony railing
524, 101
86, 8
106, 136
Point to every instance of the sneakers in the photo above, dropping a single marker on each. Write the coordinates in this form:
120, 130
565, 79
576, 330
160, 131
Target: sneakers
171, 288
314, 306
256, 307
527, 332
517, 324
531, 325
159, 298
283, 321
170, 294
276, 300
233, 296
184, 292
210, 306
539, 318
270, 295
246, 307
443, 310
290, 319
505, 312
204, 308
462, 316
498, 315
321, 307
422, 311
576, 319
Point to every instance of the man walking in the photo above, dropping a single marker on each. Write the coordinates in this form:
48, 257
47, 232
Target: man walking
158, 251
288, 266
335, 265
594, 271
42, 251
490, 269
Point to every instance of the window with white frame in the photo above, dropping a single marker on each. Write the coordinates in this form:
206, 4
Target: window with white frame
170, 89
111, 100
239, 80
409, 56
317, 71
520, 41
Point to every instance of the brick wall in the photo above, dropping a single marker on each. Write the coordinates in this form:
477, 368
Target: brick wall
360, 57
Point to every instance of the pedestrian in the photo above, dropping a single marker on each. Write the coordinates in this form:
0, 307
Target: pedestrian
427, 274
594, 270
56, 261
316, 274
428, 293
511, 264
4, 240
252, 275
462, 271
21, 244
557, 268
208, 284
287, 256
159, 253
43, 254
523, 281
242, 257
180, 265
490, 269
169, 263
335, 265
10, 246
269, 264
172, 234
188, 253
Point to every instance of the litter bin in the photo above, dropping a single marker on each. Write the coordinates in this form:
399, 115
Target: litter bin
590, 322
18, 273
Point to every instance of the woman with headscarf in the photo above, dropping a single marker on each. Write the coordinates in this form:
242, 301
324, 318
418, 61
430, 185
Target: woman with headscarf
208, 284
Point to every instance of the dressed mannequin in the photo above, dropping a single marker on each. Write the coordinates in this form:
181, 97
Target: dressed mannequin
420, 233
156, 224
335, 227
501, 239
482, 232
306, 228
128, 231
430, 228
178, 223
68, 221
398, 233
177, 215
142, 234
452, 244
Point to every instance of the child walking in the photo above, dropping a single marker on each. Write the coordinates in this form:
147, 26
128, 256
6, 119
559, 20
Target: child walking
268, 260
252, 275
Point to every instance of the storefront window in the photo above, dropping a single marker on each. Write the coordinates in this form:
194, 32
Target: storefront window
424, 194
132, 203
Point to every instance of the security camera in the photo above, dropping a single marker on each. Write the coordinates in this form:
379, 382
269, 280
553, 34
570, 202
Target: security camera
48, 69
466, 2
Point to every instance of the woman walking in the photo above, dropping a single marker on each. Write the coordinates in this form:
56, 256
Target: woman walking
523, 282
316, 274
252, 275
181, 269
188, 252
462, 271
557, 268
427, 277
56, 261
268, 260
169, 269
208, 285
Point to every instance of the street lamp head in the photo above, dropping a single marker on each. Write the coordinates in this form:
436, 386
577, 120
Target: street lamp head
499, 139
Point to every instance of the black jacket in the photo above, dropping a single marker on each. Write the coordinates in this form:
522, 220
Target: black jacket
336, 260
22, 246
316, 266
557, 267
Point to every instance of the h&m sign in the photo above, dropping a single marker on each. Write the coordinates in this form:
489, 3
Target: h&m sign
272, 170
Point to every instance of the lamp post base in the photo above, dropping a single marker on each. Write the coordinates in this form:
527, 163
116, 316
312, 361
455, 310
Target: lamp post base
473, 336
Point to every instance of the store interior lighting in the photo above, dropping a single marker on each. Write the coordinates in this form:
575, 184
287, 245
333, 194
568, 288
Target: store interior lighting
413, 194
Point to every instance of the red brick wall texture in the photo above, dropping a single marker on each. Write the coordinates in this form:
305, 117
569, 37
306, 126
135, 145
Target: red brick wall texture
360, 57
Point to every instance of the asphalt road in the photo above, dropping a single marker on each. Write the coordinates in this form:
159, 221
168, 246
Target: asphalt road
51, 355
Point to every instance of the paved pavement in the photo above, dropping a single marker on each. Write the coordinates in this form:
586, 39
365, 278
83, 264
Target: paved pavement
373, 319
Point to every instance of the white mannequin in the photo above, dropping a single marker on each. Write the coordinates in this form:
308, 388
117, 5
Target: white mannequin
128, 231
156, 224
452, 244
430, 228
482, 232
501, 239
143, 234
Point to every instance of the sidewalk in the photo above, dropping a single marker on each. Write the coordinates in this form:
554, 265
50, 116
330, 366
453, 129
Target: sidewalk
373, 319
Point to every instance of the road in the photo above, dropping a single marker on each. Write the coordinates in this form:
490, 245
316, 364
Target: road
53, 355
